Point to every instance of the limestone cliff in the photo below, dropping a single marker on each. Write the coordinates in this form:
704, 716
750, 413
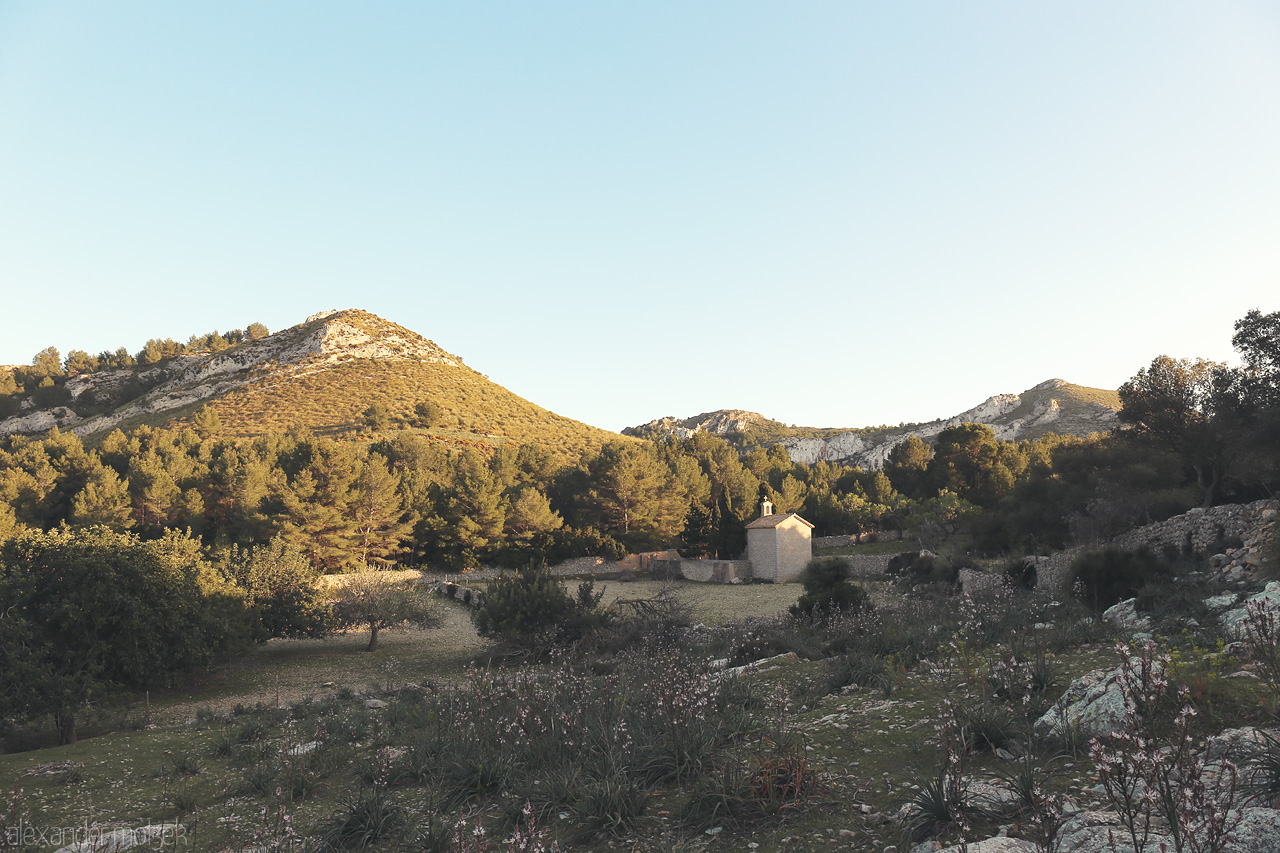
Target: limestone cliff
1052, 406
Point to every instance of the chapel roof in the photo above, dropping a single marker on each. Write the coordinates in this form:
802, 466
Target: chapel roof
774, 521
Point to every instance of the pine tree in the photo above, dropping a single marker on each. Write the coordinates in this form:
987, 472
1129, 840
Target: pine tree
530, 514
382, 522
153, 490
103, 500
206, 423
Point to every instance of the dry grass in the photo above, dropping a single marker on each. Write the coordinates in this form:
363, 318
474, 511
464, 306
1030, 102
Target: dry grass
712, 604
299, 668
331, 402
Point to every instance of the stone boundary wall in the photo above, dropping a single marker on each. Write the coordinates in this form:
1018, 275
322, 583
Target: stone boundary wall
859, 538
1200, 527
580, 566
703, 571
472, 598
868, 565
834, 541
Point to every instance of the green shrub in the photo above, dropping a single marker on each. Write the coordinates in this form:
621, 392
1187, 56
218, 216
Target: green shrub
1107, 577
376, 416
363, 821
921, 567
827, 588
533, 604
585, 542
280, 586
427, 413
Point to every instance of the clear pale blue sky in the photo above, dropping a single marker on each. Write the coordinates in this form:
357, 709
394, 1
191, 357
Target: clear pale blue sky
836, 214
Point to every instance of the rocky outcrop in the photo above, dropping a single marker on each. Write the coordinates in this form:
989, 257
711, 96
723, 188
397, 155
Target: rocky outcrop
1101, 832
1010, 416
40, 421
994, 845
1257, 831
723, 422
1266, 603
1126, 617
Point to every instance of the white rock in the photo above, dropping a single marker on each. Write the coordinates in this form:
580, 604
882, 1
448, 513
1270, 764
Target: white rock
1126, 617
1258, 832
1220, 602
998, 844
1093, 704
1233, 620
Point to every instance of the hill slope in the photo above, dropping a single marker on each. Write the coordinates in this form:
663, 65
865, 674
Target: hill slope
1052, 406
321, 374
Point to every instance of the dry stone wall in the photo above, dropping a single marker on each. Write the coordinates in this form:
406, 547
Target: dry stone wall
1198, 530
868, 565
703, 571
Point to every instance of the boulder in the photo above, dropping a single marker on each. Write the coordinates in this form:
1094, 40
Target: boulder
1094, 832
1092, 704
1126, 617
1257, 832
1217, 603
991, 797
375, 704
1233, 620
1234, 745
787, 657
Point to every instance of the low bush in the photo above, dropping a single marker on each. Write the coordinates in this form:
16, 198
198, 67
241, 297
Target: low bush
532, 607
988, 728
827, 588
923, 567
862, 669
1107, 577
363, 821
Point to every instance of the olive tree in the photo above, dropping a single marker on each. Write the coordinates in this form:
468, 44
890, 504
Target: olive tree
379, 600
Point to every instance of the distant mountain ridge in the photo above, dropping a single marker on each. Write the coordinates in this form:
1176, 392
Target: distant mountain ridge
321, 374
1052, 406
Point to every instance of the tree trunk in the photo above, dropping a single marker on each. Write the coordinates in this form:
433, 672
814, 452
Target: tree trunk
373, 639
66, 721
1213, 478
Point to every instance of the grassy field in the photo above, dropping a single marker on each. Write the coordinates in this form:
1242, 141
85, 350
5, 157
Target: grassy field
298, 669
865, 747
225, 758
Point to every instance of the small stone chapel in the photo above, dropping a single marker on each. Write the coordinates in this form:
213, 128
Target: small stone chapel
778, 546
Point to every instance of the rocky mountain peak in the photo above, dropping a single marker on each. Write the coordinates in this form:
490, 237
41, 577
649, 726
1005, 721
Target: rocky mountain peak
1051, 406
325, 340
